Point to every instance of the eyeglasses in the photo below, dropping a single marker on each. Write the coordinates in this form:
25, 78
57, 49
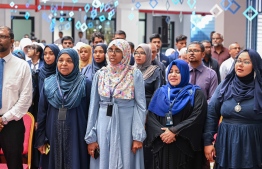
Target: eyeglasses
245, 62
216, 38
193, 51
139, 53
111, 51
3, 37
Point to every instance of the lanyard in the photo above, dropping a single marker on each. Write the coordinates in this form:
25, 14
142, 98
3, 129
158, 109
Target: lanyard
112, 91
61, 94
173, 102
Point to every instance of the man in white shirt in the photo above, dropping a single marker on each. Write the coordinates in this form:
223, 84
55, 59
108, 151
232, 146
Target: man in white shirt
58, 41
225, 67
81, 38
15, 99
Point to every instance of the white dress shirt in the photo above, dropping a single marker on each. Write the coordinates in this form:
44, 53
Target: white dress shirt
17, 88
84, 40
225, 67
58, 41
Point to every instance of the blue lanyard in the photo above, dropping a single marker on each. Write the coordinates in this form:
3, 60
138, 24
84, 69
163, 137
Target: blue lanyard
61, 94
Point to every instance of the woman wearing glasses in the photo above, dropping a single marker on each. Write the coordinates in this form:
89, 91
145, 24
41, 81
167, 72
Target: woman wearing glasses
175, 121
151, 76
238, 100
117, 112
151, 73
98, 61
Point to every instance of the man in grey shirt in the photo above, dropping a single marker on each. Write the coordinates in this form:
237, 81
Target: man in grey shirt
201, 75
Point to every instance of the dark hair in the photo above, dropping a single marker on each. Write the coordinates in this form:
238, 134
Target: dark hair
154, 36
10, 31
98, 35
132, 46
205, 41
39, 49
61, 32
180, 38
120, 32
67, 38
198, 43
80, 32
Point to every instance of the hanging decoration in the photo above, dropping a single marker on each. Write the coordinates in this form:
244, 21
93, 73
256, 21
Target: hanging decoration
250, 13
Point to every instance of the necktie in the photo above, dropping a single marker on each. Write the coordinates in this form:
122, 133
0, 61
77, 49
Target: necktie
34, 69
193, 77
1, 80
80, 40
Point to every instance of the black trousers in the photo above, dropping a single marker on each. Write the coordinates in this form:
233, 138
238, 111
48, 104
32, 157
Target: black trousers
11, 142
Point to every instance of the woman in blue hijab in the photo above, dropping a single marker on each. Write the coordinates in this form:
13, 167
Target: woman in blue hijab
176, 117
98, 61
238, 100
62, 117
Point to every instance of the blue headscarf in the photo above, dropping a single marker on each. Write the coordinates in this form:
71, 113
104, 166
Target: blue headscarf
19, 53
184, 92
90, 70
48, 70
233, 87
72, 86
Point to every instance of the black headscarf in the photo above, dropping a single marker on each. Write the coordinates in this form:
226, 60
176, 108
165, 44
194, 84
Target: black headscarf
48, 70
244, 88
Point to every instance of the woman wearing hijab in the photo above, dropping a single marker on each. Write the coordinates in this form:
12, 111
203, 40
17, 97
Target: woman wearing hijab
175, 121
151, 73
19, 53
98, 61
62, 115
238, 100
117, 112
85, 56
50, 59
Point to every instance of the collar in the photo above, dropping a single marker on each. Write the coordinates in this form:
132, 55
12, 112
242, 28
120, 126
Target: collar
213, 49
200, 68
8, 57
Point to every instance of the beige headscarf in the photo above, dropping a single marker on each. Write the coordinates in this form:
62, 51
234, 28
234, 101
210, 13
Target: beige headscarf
82, 63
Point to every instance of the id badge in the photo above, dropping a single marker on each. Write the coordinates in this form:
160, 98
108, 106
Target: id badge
109, 110
169, 119
62, 113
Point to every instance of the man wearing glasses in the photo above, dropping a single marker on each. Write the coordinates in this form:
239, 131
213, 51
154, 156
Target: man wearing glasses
225, 67
218, 51
15, 99
201, 75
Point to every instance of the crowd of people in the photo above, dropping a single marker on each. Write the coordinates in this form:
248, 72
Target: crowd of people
126, 107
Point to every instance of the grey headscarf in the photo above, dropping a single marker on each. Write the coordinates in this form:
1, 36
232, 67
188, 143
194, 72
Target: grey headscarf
147, 68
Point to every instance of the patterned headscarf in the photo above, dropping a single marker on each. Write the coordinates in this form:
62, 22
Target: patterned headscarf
72, 86
118, 76
146, 68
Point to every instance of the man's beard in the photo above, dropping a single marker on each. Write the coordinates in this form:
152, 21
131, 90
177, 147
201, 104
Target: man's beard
3, 49
208, 55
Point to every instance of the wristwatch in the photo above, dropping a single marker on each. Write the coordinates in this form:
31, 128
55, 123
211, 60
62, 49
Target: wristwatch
4, 120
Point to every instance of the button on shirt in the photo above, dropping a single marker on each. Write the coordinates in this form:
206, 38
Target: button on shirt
17, 88
206, 79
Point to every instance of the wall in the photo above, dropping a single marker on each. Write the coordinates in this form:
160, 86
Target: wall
226, 23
